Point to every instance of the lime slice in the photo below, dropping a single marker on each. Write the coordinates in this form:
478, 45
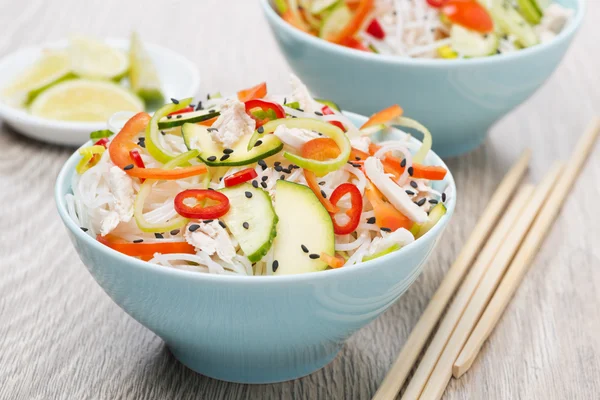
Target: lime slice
84, 100
142, 75
96, 60
53, 67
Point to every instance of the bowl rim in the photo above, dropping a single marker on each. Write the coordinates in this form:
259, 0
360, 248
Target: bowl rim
69, 166
7, 111
571, 27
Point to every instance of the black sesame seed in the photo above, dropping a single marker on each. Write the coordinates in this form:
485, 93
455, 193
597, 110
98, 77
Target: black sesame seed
128, 167
163, 133
323, 194
411, 171
248, 194
320, 114
224, 157
357, 158
433, 201
211, 111
227, 151
410, 192
314, 256
246, 225
284, 100
304, 248
138, 240
286, 170
169, 116
275, 265
210, 188
212, 158
444, 197
175, 101
299, 109
371, 220
179, 116
260, 129
403, 163
414, 184
84, 229
278, 168
174, 232
264, 178
320, 134
258, 143
255, 183
282, 177
212, 129
193, 227
421, 202
322, 183
220, 179
222, 224
207, 96
208, 221
263, 164
192, 105
142, 144
264, 185
199, 106
159, 236
383, 228
277, 163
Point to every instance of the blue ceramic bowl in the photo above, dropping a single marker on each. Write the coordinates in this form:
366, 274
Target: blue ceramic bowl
458, 100
252, 329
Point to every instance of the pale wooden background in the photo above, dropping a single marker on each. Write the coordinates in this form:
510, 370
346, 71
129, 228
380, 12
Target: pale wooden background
61, 337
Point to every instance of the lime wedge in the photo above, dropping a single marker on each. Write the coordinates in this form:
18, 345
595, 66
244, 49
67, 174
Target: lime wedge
142, 74
84, 100
96, 60
53, 67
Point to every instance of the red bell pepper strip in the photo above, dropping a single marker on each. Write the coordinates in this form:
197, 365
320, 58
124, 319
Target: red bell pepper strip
320, 149
182, 111
102, 142
326, 110
470, 14
353, 212
353, 43
240, 177
123, 143
137, 160
266, 106
386, 215
199, 211
436, 3
144, 250
374, 29
256, 92
333, 261
360, 14
384, 116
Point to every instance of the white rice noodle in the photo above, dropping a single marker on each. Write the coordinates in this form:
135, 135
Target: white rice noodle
407, 156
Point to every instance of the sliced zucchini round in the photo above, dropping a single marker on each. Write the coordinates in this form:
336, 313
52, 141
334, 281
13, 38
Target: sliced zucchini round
469, 43
511, 22
529, 11
172, 121
198, 137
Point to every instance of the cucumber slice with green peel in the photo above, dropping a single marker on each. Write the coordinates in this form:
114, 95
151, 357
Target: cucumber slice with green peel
318, 6
435, 214
335, 21
198, 137
191, 117
295, 105
511, 22
529, 11
329, 103
303, 221
280, 6
472, 44
383, 252
251, 219
143, 76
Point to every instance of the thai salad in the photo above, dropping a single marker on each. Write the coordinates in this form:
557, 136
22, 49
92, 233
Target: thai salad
256, 184
429, 28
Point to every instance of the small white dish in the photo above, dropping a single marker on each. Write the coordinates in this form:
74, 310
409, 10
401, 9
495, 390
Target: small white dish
179, 78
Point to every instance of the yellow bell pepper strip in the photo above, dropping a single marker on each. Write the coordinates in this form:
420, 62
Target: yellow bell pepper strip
123, 143
361, 13
146, 189
153, 146
384, 116
145, 251
90, 157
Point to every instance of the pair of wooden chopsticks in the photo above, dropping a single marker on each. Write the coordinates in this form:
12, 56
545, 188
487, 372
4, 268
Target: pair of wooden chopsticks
493, 278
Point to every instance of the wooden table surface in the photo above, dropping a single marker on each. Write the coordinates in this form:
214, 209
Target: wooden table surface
61, 337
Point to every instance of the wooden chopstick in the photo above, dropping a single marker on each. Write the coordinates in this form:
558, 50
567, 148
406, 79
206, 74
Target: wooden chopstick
526, 253
464, 293
395, 378
443, 369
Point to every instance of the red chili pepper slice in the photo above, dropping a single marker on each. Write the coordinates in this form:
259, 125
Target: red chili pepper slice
240, 177
436, 3
374, 29
183, 111
326, 110
256, 105
353, 212
102, 142
198, 211
144, 250
470, 14
137, 160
